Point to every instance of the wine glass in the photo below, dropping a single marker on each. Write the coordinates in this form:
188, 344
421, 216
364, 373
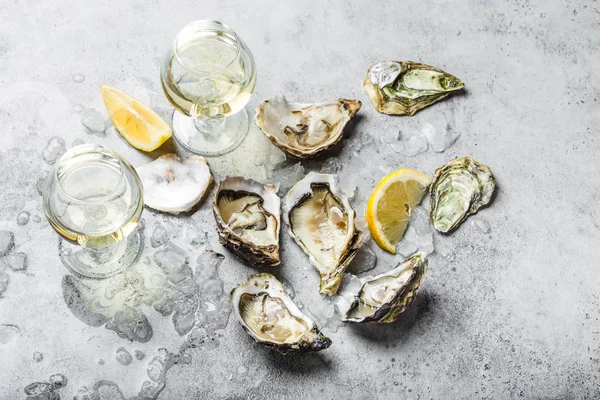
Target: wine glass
94, 199
208, 75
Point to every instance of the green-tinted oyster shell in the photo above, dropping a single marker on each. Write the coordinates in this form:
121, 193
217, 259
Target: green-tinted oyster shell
384, 297
458, 190
405, 87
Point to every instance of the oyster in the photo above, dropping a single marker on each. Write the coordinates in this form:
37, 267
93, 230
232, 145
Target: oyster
268, 314
458, 190
321, 220
304, 130
384, 297
248, 220
174, 185
405, 87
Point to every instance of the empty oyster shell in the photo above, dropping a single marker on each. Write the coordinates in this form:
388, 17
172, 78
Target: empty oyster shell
304, 130
405, 87
268, 314
248, 220
459, 189
174, 185
321, 220
384, 297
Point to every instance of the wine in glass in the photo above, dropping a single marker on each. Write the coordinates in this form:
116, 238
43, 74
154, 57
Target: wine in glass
208, 76
94, 200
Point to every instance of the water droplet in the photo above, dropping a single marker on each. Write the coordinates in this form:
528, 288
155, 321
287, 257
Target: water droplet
55, 148
7, 241
16, 261
79, 77
37, 219
93, 120
123, 356
23, 218
78, 108
37, 356
481, 224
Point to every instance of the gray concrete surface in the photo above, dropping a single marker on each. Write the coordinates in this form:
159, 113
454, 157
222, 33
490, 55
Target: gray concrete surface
515, 315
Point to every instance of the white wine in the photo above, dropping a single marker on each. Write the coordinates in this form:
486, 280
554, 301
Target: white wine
205, 77
93, 199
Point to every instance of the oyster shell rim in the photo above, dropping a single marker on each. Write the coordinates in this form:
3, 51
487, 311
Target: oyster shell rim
312, 341
353, 243
352, 106
256, 255
395, 107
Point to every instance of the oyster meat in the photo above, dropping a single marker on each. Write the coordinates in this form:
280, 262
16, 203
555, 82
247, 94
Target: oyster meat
321, 220
405, 87
304, 130
458, 190
384, 297
174, 185
268, 314
248, 220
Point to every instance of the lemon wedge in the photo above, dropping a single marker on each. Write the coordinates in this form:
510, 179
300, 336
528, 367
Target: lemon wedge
391, 204
136, 122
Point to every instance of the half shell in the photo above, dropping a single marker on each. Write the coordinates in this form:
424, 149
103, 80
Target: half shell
405, 87
271, 318
248, 218
304, 130
458, 190
384, 297
174, 185
321, 220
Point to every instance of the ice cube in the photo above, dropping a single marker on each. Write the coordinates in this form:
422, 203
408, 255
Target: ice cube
159, 235
173, 261
77, 142
439, 135
207, 266
331, 166
55, 148
289, 289
481, 224
16, 261
139, 355
36, 219
7, 241
93, 120
349, 189
365, 260
37, 388
408, 244
290, 176
183, 323
131, 324
410, 144
23, 218
4, 280
58, 381
37, 356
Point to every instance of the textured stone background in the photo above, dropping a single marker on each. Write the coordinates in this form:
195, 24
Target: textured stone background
515, 315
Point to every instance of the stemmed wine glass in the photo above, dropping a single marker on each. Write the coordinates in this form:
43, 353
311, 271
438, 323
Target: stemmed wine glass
94, 199
208, 75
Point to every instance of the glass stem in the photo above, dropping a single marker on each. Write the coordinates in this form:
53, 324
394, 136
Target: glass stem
209, 127
107, 254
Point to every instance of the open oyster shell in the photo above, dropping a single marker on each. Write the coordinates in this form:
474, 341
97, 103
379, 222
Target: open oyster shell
405, 87
384, 297
271, 318
321, 220
459, 189
304, 130
248, 218
174, 185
